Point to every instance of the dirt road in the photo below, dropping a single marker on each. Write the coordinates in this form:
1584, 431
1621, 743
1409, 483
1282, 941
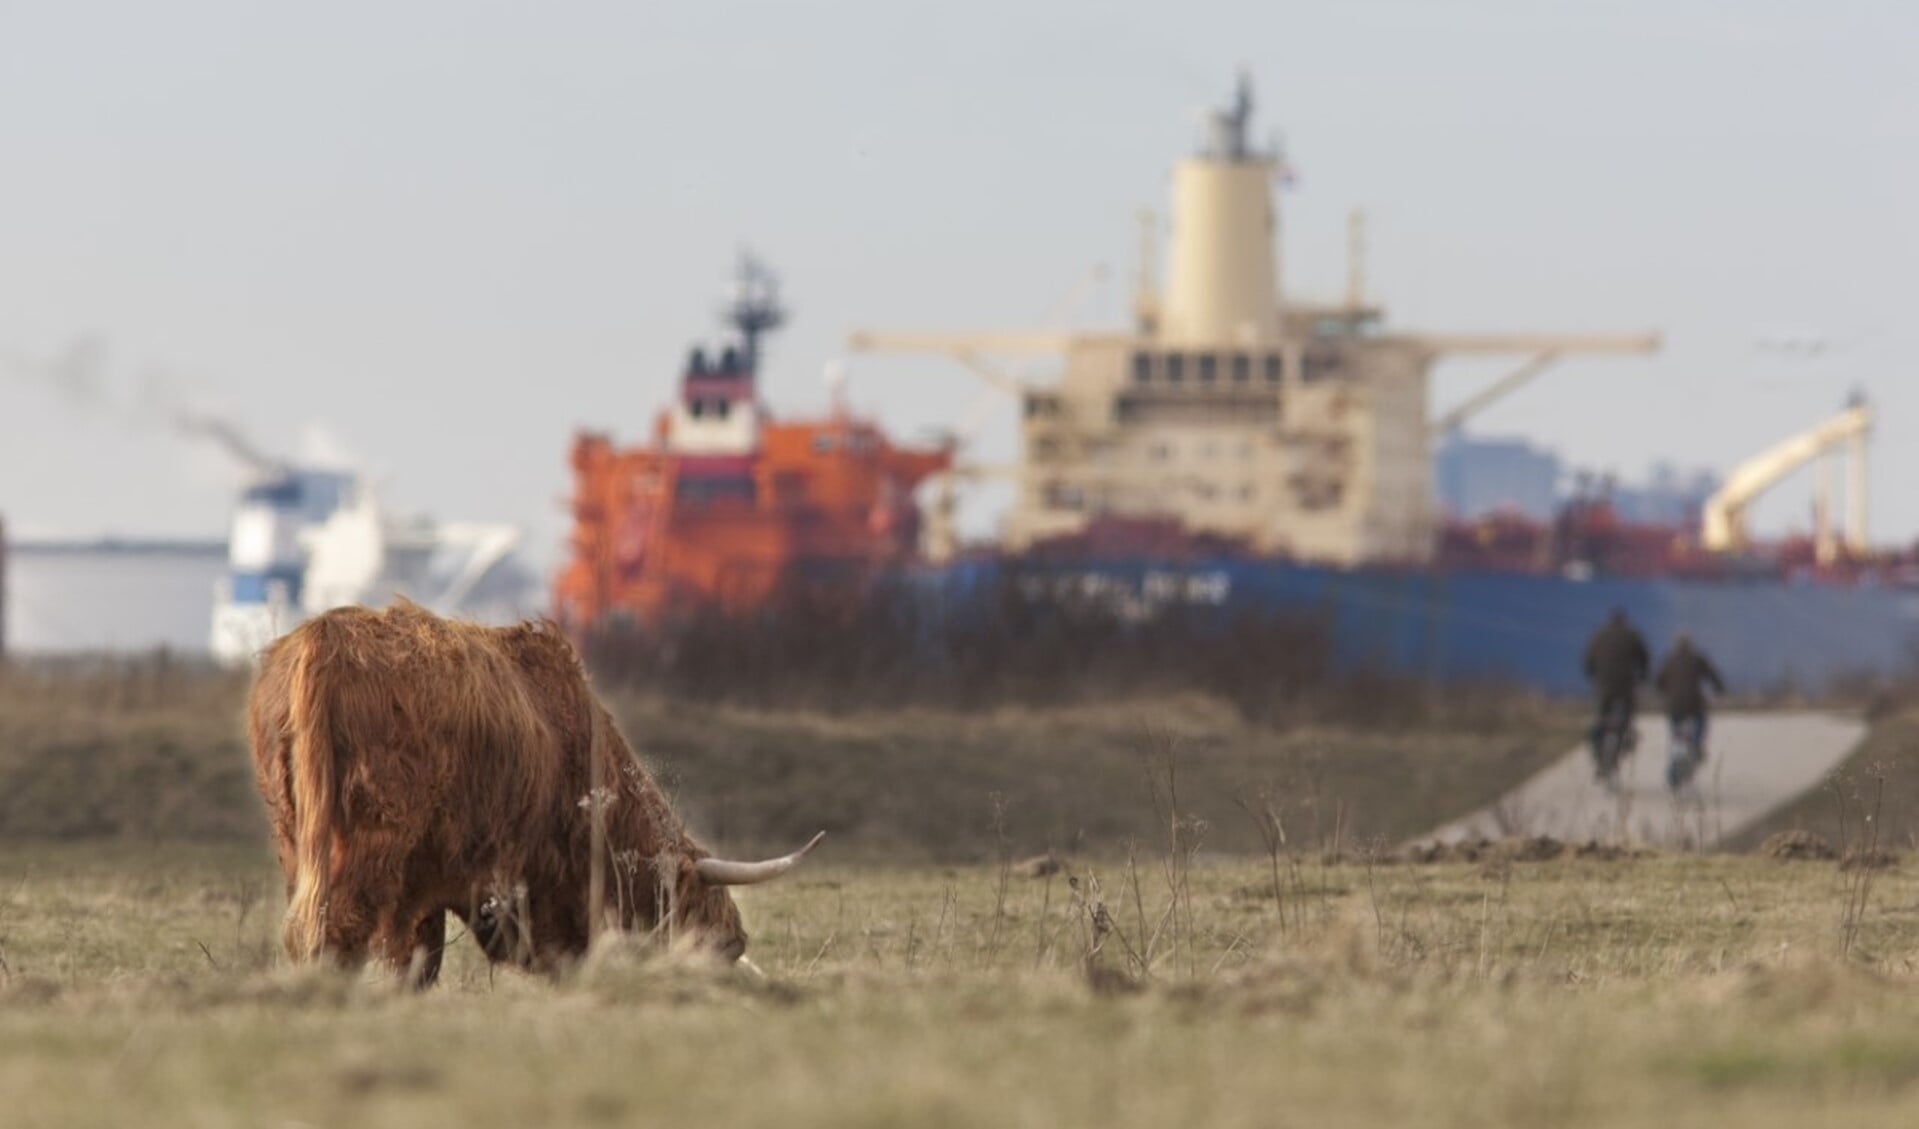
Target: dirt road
1756, 762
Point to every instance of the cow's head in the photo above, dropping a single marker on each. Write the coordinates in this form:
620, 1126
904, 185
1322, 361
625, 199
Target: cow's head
706, 908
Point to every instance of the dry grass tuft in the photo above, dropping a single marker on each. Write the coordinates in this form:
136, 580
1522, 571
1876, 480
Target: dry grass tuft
626, 969
1797, 846
1039, 866
1532, 848
1868, 858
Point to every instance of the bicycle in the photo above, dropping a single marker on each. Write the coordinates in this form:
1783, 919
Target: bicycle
1613, 739
1685, 752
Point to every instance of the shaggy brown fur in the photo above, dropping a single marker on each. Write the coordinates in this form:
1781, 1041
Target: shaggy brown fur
415, 766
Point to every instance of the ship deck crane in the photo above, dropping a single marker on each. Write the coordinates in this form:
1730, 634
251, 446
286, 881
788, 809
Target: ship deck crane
1546, 350
1723, 520
1478, 401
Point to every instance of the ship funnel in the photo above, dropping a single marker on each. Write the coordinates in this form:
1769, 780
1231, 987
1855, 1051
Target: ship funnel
1223, 278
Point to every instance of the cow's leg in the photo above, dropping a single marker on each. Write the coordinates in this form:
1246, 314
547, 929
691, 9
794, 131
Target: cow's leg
349, 922
559, 933
363, 903
429, 946
393, 940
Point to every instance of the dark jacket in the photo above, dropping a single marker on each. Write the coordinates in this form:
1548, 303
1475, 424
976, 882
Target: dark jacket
1683, 679
1616, 658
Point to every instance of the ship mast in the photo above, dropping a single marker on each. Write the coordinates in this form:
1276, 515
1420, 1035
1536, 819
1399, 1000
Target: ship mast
754, 307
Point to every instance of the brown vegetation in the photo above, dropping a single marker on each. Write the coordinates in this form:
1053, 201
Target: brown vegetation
143, 748
922, 783
152, 750
1533, 848
1797, 846
825, 650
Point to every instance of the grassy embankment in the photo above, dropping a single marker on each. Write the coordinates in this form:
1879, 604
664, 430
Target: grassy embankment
144, 986
1872, 796
148, 752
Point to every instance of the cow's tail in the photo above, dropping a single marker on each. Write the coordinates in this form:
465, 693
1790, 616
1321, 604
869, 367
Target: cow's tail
312, 774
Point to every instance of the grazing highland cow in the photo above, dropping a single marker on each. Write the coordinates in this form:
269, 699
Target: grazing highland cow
415, 766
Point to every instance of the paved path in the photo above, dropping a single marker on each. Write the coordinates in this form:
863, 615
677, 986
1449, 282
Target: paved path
1758, 761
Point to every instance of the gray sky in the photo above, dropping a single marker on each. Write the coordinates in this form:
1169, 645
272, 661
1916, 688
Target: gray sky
443, 235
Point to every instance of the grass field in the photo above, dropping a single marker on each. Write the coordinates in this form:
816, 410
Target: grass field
141, 986
1172, 972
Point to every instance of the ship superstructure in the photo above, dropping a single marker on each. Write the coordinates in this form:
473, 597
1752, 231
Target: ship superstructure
727, 503
304, 540
1287, 427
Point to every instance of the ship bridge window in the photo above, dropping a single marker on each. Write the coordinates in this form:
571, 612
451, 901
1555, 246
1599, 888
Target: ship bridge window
697, 408
1037, 406
284, 493
1175, 368
707, 491
722, 407
1275, 367
1242, 368
1318, 366
823, 443
1142, 368
1208, 368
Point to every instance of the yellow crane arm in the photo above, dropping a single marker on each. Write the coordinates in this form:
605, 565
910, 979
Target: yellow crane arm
1485, 396
1015, 343
1460, 344
1723, 521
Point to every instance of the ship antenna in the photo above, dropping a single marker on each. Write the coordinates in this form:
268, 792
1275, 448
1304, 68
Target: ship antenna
835, 375
1356, 260
1230, 126
755, 306
1146, 292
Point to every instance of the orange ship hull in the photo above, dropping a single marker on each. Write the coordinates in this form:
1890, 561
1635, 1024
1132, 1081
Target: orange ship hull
656, 533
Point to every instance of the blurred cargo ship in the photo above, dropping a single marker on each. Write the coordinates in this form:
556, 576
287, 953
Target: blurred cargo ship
307, 539
727, 503
1241, 450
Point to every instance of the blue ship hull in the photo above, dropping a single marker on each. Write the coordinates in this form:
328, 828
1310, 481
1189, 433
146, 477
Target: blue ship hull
1523, 628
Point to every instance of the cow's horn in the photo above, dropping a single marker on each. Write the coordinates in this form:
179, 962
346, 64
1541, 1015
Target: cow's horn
726, 872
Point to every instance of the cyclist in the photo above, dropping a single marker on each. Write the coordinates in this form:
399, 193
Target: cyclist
1616, 662
1683, 678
